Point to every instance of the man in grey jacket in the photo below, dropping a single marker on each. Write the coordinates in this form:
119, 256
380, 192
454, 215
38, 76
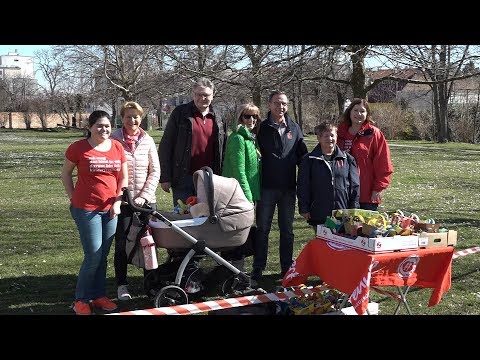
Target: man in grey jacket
195, 136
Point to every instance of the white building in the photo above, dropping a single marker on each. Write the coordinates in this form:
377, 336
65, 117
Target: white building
15, 65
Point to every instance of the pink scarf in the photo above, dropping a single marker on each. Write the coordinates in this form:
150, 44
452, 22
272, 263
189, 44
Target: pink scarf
131, 140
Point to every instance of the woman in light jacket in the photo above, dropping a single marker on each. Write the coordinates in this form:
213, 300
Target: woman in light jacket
143, 177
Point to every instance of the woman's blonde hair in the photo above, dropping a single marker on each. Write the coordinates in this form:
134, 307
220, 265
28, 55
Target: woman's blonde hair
131, 105
248, 107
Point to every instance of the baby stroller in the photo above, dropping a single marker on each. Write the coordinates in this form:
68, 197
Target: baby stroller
220, 221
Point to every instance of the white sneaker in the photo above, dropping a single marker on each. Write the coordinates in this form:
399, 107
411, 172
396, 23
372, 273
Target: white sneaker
123, 294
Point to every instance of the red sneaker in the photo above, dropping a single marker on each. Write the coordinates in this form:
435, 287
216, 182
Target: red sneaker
82, 308
104, 303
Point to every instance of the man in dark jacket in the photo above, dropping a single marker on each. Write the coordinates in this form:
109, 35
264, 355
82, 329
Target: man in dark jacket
195, 136
280, 140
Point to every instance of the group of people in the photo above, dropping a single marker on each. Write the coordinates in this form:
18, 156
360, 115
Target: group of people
349, 168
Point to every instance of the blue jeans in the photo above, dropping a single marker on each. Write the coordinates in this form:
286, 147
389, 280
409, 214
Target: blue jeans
285, 202
183, 189
96, 231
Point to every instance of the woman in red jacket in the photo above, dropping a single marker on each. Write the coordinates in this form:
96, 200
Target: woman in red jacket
367, 144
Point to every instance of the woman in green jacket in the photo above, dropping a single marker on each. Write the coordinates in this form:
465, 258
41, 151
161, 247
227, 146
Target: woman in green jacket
242, 162
242, 159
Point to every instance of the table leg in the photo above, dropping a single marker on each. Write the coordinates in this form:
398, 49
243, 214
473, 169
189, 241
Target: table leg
344, 301
403, 300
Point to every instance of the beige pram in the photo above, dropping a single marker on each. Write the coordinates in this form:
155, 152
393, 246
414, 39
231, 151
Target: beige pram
220, 221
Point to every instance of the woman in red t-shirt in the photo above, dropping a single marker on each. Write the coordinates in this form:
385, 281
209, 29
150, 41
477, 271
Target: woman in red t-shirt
94, 205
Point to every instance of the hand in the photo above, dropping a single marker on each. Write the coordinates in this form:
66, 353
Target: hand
139, 201
376, 196
166, 186
306, 215
115, 209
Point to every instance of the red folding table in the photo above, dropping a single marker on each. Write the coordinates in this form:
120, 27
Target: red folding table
355, 272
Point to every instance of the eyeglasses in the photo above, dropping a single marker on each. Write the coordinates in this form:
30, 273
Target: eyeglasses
203, 95
248, 116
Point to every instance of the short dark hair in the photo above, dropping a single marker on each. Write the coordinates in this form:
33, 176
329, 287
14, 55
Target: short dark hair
275, 92
324, 126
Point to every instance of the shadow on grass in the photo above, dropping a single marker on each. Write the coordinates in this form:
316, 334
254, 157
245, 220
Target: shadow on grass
54, 294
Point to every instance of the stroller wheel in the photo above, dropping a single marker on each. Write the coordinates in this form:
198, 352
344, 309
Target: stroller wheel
156, 279
170, 296
228, 285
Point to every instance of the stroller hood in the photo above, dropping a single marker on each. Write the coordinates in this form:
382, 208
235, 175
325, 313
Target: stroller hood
230, 204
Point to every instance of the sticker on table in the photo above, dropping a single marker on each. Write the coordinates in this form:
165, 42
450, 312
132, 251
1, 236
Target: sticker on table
407, 267
337, 246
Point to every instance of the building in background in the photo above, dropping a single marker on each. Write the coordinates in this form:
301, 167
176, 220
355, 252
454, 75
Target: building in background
17, 76
13, 65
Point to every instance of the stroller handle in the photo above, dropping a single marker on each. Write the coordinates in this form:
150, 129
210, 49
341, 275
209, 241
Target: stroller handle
127, 197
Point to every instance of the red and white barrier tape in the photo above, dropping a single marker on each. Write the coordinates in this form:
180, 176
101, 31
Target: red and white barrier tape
188, 309
466, 252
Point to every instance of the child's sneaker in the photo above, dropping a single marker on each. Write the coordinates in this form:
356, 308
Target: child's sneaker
82, 308
104, 303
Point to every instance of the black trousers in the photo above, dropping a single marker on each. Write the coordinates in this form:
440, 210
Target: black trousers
120, 255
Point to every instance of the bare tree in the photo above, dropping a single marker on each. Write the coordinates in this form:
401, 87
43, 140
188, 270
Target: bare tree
441, 66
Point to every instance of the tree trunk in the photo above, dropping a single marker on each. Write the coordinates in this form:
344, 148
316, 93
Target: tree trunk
436, 112
257, 96
300, 105
340, 102
357, 81
443, 96
443, 114
114, 112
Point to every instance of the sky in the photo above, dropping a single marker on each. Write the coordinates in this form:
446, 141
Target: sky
23, 50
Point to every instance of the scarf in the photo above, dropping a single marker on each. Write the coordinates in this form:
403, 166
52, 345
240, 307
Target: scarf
131, 140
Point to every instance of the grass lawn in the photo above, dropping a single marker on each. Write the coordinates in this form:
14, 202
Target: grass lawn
40, 253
